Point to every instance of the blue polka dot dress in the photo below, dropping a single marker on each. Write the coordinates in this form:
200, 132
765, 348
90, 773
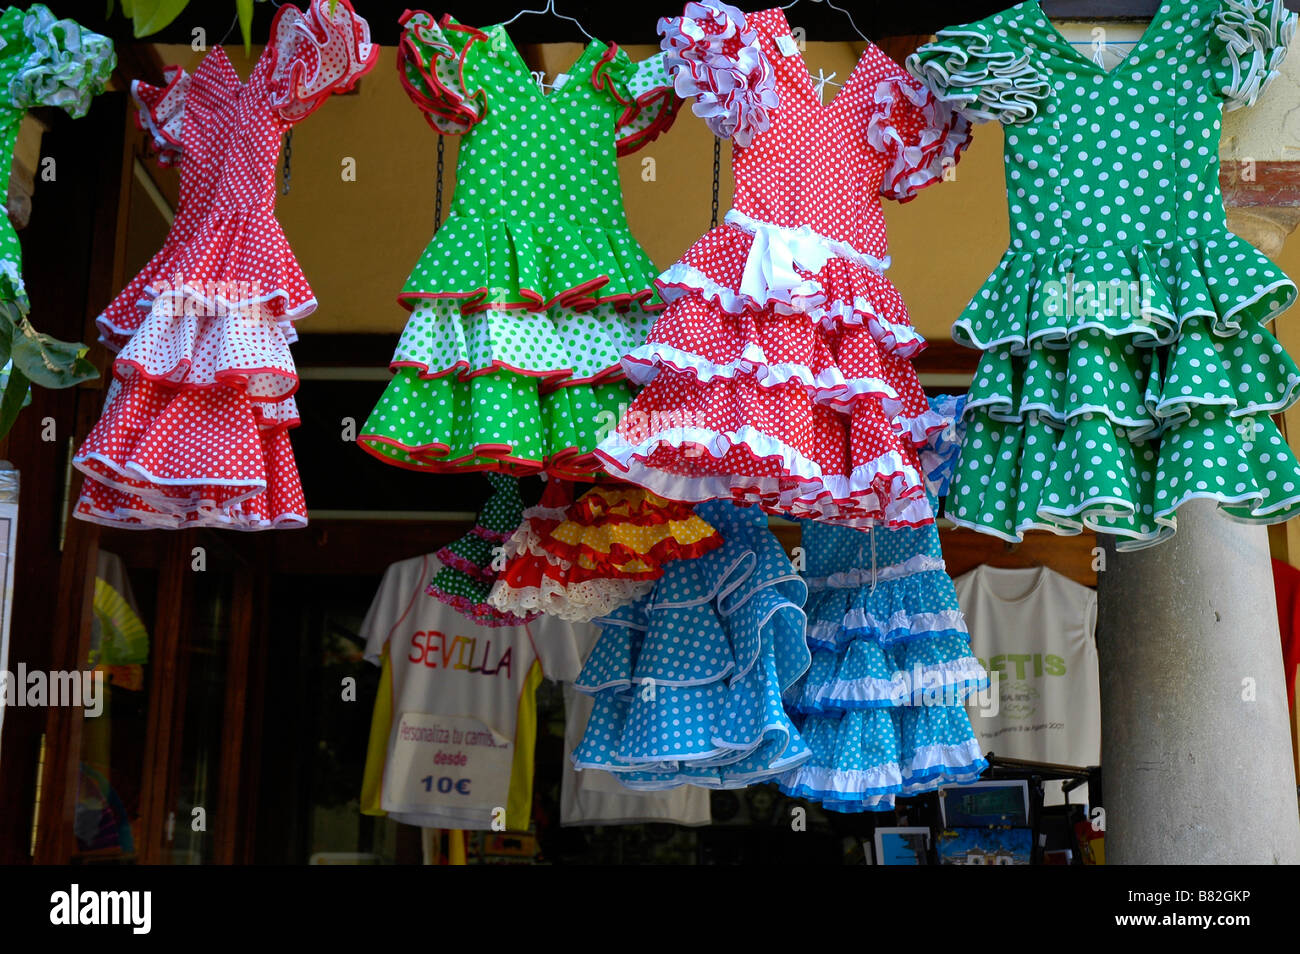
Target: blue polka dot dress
882, 703
688, 680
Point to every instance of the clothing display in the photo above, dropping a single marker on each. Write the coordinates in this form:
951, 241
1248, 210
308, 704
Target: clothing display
882, 705
455, 718
44, 61
1127, 365
582, 559
533, 288
194, 430
593, 797
472, 564
779, 372
688, 679
1034, 630
209, 99
717, 507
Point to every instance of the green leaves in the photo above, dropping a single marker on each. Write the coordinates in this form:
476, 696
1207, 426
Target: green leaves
15, 395
37, 359
150, 16
244, 9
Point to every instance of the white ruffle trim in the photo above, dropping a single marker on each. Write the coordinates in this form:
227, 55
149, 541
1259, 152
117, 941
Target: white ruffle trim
576, 602
916, 164
913, 624
963, 69
733, 90
956, 763
856, 579
846, 784
1257, 34
819, 495
828, 386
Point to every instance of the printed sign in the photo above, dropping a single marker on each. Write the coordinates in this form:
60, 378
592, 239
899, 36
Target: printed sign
446, 762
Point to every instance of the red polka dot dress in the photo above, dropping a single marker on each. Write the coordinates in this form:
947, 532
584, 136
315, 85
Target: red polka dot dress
195, 425
779, 372
188, 119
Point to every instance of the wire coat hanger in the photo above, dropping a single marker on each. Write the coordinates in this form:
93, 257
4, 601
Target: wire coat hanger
832, 6
550, 8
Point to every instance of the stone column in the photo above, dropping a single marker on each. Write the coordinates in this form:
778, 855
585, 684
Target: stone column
1195, 734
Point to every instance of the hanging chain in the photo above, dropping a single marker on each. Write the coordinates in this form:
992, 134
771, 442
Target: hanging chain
288, 158
437, 205
717, 175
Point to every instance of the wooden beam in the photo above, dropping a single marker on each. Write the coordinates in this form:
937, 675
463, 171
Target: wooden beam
1250, 184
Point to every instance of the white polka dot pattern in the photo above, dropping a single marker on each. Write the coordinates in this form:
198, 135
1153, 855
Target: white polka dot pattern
1127, 365
778, 374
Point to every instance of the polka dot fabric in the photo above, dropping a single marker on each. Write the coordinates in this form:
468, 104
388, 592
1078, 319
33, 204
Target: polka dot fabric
1127, 363
882, 703
208, 99
579, 560
688, 679
194, 427
779, 372
472, 564
43, 62
533, 288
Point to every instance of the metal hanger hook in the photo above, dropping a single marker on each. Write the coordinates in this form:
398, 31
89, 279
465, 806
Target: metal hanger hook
550, 8
832, 6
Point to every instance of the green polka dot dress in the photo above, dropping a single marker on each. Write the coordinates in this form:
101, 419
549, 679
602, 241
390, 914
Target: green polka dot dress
1127, 362
44, 61
533, 288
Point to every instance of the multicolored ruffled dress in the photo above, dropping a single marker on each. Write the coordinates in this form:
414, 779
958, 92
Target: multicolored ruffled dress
533, 288
195, 425
43, 62
882, 705
779, 372
472, 564
688, 679
1127, 365
585, 558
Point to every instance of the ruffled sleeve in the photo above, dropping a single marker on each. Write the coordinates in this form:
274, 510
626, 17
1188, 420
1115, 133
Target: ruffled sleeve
318, 53
978, 70
713, 55
1251, 37
431, 62
917, 135
646, 92
161, 111
65, 65
939, 454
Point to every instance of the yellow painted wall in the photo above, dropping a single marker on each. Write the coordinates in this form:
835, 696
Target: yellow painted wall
357, 240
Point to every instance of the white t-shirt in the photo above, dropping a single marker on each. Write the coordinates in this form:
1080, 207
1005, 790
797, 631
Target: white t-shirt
455, 720
1036, 629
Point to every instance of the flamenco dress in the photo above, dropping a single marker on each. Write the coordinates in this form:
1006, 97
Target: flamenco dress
471, 565
1127, 364
195, 426
43, 62
882, 705
582, 559
687, 680
533, 288
779, 373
